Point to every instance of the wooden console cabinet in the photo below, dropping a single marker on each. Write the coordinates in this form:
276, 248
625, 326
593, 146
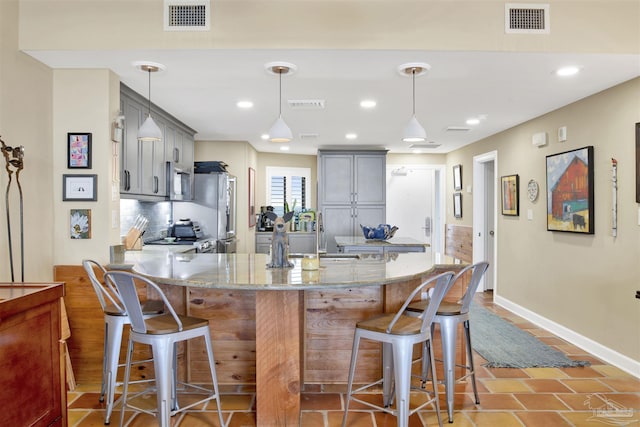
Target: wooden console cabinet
32, 373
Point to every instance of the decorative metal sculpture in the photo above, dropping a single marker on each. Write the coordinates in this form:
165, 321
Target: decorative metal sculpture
14, 159
280, 241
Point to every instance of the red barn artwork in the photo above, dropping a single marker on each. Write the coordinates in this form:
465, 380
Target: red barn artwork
570, 191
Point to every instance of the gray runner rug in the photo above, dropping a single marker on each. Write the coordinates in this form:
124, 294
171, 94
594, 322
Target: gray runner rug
504, 345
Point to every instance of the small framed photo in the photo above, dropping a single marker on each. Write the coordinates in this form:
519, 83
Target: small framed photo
79, 150
79, 188
457, 205
252, 197
510, 189
80, 224
457, 177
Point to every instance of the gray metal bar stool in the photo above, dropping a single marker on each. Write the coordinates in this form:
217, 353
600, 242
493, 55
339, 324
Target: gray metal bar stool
115, 318
449, 315
162, 333
398, 333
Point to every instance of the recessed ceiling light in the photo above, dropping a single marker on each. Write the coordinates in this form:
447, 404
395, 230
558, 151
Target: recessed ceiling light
264, 136
368, 103
567, 71
284, 148
244, 104
473, 121
351, 136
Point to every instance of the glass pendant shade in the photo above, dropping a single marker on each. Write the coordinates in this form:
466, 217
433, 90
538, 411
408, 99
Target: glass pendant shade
414, 132
280, 132
149, 131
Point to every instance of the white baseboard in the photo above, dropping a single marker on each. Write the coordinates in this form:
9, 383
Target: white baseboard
605, 353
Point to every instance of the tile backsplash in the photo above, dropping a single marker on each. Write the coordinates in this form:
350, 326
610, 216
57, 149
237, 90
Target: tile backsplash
158, 214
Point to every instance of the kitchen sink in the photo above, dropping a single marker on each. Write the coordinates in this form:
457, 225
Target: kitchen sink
336, 256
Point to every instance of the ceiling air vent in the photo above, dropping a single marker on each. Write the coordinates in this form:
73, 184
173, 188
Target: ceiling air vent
424, 146
186, 15
522, 18
308, 136
458, 129
306, 104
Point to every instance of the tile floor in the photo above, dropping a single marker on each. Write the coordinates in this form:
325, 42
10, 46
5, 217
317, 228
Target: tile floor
545, 397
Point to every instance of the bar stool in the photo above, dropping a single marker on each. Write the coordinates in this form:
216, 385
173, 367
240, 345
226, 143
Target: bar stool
115, 318
398, 334
449, 315
162, 333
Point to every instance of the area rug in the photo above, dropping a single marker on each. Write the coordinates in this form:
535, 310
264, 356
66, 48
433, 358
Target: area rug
504, 345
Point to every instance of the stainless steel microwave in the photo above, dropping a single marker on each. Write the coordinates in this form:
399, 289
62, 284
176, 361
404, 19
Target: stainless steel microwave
179, 182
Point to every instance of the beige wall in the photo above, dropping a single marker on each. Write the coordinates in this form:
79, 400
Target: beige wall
383, 24
585, 283
26, 119
85, 101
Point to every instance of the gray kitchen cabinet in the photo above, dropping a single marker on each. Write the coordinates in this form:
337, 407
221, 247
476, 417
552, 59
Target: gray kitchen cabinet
351, 191
144, 164
299, 242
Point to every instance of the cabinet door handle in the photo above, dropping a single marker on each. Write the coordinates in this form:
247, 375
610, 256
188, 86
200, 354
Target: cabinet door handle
126, 180
156, 186
176, 155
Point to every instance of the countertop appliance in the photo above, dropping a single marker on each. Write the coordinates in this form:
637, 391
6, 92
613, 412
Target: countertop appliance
214, 204
265, 223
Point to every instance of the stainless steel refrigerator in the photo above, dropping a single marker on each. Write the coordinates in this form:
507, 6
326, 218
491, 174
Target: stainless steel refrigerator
213, 205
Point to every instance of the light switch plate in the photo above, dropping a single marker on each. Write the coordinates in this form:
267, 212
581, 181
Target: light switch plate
529, 214
562, 134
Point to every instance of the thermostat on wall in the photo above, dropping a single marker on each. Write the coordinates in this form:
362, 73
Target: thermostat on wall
539, 139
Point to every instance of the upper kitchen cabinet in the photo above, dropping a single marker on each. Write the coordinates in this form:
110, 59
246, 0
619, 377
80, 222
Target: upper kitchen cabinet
144, 164
351, 191
348, 177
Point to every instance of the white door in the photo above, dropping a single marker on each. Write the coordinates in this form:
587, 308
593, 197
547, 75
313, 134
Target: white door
484, 216
411, 202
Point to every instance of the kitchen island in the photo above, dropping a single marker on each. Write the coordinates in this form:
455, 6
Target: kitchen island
303, 321
358, 244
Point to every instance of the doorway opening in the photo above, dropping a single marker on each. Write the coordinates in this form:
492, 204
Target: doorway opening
485, 208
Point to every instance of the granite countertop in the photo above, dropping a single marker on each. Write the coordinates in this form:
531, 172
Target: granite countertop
361, 241
249, 271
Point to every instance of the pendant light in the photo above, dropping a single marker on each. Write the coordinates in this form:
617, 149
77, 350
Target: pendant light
414, 132
149, 131
280, 132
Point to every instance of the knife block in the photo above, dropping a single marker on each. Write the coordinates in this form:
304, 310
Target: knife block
133, 240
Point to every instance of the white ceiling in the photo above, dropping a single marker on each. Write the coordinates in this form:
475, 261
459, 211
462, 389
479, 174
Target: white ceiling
202, 87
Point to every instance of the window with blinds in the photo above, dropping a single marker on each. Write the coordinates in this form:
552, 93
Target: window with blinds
287, 187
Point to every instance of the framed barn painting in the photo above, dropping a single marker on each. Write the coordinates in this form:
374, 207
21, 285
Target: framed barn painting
570, 191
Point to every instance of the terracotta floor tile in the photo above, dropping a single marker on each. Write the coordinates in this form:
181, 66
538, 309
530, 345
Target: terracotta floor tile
234, 402
87, 401
494, 419
545, 373
311, 419
355, 419
318, 401
611, 371
499, 401
547, 386
623, 384
627, 400
202, 419
582, 372
243, 419
542, 419
508, 373
541, 401
459, 419
579, 401
587, 386
551, 340
505, 386
387, 420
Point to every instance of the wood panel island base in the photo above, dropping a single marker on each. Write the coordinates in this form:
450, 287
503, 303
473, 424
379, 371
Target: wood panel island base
276, 328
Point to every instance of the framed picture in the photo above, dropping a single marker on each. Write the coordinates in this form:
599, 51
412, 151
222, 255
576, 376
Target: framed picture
79, 187
457, 177
80, 224
570, 191
457, 205
510, 189
252, 197
79, 150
